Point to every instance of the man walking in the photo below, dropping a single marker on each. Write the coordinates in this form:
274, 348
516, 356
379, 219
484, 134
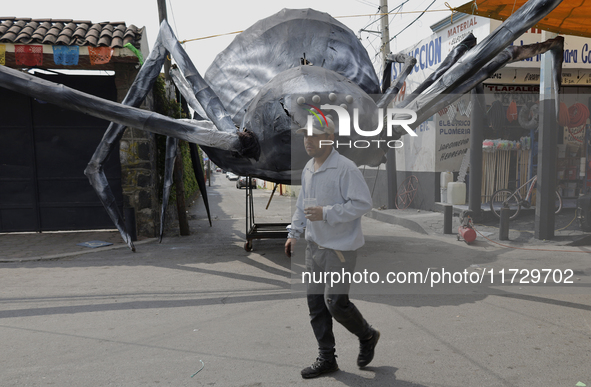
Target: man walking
333, 235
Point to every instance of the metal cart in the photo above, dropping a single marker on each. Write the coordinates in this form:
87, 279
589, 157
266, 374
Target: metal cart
260, 230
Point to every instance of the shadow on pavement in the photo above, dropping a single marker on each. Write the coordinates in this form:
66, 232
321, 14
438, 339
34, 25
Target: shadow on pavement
382, 376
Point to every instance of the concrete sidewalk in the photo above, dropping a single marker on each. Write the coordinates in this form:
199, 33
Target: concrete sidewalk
32, 246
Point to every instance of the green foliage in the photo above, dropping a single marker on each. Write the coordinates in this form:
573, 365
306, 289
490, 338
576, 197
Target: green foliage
172, 108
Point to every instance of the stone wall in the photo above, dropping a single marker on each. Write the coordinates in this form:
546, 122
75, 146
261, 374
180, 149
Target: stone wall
137, 151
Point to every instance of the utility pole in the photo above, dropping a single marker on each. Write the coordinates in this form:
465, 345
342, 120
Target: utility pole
385, 29
163, 16
392, 182
545, 219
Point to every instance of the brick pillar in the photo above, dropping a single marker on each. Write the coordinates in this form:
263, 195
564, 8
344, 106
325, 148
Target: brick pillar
137, 151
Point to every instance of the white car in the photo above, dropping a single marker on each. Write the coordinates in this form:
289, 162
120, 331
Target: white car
231, 176
241, 182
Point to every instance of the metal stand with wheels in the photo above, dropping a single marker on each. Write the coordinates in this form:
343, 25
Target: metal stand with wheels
260, 230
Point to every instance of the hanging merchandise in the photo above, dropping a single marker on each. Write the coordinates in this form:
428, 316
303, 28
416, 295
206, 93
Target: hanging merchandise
496, 162
28, 55
525, 143
488, 146
578, 115
576, 133
529, 116
496, 116
504, 144
512, 111
563, 116
66, 55
2, 54
498, 144
100, 55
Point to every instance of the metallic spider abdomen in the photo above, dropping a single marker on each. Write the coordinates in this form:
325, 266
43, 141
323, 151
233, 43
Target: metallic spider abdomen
257, 73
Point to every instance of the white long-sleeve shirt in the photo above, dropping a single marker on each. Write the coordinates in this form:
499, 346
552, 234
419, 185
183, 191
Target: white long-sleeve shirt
339, 187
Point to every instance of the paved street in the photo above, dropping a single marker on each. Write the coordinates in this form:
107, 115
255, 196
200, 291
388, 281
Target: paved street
202, 303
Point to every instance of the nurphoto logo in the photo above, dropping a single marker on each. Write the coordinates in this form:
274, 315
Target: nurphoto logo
394, 116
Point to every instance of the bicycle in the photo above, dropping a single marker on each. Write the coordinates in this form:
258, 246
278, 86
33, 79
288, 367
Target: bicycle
513, 200
406, 192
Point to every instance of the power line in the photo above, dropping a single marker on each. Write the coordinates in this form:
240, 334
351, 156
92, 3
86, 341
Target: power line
418, 17
342, 17
366, 3
394, 9
173, 18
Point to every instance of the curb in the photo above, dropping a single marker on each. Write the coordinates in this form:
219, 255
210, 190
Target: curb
65, 255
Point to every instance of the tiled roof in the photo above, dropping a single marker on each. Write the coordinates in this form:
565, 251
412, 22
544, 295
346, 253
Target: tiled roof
68, 32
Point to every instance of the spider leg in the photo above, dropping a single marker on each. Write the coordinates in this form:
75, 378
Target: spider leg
185, 88
451, 59
213, 107
197, 168
171, 154
186, 91
200, 132
456, 53
171, 147
510, 54
136, 94
461, 74
392, 91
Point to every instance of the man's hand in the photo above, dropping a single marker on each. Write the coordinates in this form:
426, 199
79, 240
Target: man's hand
314, 214
289, 246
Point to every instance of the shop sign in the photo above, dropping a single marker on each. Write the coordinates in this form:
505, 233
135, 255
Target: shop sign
427, 53
577, 50
453, 134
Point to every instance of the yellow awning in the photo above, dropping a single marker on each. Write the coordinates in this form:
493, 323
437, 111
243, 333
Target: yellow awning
571, 17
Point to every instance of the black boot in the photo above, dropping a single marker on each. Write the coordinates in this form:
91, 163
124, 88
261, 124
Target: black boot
320, 367
367, 348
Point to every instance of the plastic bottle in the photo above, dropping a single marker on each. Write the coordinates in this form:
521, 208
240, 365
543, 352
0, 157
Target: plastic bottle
445, 178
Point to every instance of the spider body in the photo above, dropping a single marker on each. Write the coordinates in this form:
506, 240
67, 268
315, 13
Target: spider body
260, 74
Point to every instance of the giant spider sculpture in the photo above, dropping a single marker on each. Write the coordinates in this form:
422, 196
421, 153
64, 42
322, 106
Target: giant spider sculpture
246, 107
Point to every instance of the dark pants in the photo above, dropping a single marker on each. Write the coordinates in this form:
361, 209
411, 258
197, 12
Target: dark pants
326, 302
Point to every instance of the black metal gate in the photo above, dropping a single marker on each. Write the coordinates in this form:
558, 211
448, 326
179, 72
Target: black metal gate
44, 150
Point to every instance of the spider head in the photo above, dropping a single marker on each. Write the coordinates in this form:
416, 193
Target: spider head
286, 102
